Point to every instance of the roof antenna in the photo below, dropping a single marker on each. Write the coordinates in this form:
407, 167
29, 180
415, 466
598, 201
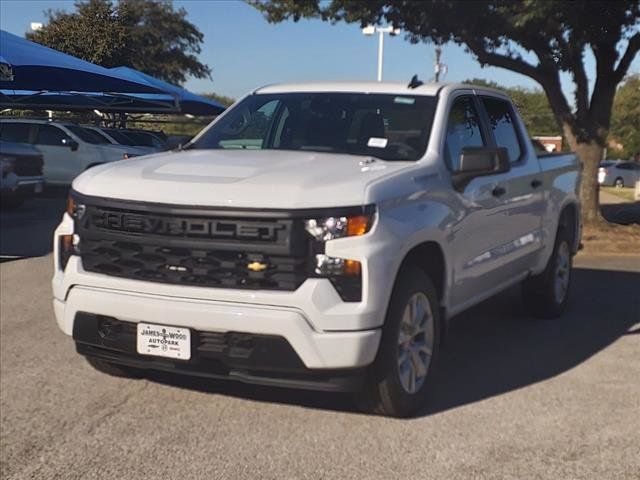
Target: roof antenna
415, 83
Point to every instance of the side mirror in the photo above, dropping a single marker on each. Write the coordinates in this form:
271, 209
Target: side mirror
72, 144
478, 162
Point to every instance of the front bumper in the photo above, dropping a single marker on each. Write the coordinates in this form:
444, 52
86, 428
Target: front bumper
25, 187
249, 358
316, 349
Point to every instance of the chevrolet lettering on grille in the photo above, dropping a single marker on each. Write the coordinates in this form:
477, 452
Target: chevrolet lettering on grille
187, 227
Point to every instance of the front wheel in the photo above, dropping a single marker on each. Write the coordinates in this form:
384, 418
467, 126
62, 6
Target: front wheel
545, 295
398, 381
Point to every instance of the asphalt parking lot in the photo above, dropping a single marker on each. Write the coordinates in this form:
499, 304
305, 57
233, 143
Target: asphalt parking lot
515, 398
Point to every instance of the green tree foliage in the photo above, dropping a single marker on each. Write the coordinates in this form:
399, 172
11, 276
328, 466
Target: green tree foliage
147, 35
537, 38
625, 122
224, 100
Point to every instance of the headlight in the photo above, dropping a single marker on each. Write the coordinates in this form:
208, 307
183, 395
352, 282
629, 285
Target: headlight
70, 244
74, 209
330, 228
345, 274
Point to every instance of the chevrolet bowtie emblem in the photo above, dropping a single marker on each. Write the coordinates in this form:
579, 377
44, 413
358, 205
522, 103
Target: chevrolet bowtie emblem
257, 266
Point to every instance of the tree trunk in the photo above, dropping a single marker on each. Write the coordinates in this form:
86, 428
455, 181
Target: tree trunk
591, 155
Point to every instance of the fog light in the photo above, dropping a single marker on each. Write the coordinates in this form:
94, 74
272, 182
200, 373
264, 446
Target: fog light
329, 266
344, 274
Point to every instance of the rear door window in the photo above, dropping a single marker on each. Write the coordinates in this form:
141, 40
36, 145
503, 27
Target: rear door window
502, 124
463, 130
50, 135
15, 132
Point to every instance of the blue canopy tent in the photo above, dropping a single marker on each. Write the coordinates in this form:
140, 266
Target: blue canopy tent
79, 101
189, 102
36, 77
33, 67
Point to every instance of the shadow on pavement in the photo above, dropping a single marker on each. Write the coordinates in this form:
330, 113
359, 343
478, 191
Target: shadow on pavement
493, 348
626, 213
27, 231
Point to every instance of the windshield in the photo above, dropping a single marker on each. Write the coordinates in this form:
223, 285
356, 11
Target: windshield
144, 138
390, 127
120, 137
87, 135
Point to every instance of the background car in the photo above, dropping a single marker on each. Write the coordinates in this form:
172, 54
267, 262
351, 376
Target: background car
68, 149
118, 137
21, 175
618, 174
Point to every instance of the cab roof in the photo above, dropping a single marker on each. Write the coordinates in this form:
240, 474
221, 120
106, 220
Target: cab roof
394, 88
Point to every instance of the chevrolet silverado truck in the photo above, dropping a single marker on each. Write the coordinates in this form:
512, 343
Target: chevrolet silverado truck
317, 236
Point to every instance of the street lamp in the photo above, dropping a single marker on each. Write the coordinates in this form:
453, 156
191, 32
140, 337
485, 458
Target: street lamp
370, 30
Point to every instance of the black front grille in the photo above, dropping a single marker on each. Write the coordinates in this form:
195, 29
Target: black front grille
28, 166
191, 266
198, 250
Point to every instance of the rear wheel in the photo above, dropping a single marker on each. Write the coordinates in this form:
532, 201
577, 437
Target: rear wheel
545, 295
619, 183
113, 369
398, 381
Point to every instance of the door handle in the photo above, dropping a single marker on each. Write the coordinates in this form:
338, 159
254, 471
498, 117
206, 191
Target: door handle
535, 183
498, 191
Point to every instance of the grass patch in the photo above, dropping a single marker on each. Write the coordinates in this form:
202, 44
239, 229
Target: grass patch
626, 193
611, 238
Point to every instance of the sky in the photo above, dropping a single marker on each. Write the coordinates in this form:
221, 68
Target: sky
245, 52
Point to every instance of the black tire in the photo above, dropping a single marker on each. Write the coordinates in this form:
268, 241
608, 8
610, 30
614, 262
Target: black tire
383, 392
11, 203
113, 369
618, 182
539, 291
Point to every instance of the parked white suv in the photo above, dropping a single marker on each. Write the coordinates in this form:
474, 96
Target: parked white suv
68, 149
317, 236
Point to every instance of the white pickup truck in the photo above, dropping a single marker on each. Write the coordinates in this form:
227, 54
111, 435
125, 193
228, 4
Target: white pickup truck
317, 236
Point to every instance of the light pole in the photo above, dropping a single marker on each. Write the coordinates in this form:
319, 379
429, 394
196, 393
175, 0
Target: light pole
370, 30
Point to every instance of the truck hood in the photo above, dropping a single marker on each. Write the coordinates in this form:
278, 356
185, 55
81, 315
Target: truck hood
239, 178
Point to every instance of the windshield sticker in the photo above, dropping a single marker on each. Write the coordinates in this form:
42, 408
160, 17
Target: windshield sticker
404, 100
377, 142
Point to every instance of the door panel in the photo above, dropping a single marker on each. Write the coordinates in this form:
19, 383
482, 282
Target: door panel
523, 198
60, 162
479, 232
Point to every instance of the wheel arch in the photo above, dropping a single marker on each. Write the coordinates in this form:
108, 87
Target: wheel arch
569, 220
429, 257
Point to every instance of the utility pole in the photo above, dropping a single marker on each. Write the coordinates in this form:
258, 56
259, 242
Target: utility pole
439, 67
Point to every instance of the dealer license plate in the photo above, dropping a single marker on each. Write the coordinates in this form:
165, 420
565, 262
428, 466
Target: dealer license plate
164, 341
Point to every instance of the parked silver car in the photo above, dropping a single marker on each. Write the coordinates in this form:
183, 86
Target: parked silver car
618, 174
21, 176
